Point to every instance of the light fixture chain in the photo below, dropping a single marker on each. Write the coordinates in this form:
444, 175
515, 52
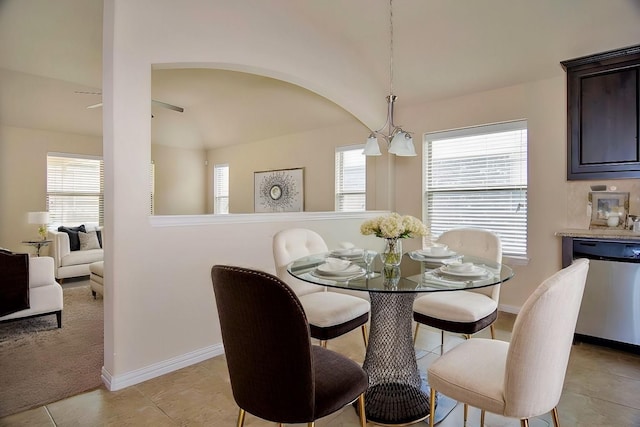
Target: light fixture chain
391, 47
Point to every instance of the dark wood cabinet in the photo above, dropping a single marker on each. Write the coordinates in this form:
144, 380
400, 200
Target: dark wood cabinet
603, 115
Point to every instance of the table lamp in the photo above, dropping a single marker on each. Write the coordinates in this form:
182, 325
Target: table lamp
42, 219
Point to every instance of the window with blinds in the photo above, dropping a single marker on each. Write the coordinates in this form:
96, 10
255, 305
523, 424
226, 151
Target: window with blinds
477, 177
221, 189
75, 189
351, 179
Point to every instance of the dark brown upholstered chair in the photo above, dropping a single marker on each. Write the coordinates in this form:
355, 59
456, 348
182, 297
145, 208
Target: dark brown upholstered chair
276, 374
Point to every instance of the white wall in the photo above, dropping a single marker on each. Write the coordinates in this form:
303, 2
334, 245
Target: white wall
180, 180
158, 300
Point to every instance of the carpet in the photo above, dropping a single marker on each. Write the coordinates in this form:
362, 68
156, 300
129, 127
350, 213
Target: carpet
40, 363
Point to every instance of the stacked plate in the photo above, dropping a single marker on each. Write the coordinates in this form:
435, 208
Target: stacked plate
338, 269
463, 270
350, 253
432, 256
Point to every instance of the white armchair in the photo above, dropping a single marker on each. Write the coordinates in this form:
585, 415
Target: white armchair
523, 378
70, 263
330, 314
464, 312
45, 294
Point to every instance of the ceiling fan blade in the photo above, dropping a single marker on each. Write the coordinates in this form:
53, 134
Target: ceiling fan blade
168, 106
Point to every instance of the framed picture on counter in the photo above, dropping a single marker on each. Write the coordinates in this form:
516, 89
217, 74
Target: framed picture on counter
609, 209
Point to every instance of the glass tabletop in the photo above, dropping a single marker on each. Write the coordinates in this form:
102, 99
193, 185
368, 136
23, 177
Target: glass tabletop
415, 273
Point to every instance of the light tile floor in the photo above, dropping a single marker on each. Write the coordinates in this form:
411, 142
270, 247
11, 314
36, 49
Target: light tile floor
602, 388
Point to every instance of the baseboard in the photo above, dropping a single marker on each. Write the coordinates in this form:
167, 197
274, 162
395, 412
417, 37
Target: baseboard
509, 308
119, 382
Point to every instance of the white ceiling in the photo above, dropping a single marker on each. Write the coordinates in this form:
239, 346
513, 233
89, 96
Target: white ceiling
442, 48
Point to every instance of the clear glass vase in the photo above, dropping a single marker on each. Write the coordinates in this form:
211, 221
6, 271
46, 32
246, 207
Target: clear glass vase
392, 253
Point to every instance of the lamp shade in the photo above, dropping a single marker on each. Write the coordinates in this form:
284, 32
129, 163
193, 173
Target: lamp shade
372, 148
402, 145
38, 217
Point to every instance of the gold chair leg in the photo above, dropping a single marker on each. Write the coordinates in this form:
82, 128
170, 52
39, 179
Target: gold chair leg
415, 334
493, 331
311, 424
364, 334
466, 412
482, 418
363, 416
241, 418
556, 419
524, 423
432, 409
323, 343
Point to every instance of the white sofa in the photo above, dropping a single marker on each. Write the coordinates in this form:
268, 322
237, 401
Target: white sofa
70, 263
45, 294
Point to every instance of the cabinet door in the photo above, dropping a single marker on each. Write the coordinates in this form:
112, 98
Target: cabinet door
603, 117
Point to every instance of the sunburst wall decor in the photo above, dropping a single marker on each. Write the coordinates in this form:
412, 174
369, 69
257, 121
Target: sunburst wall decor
279, 190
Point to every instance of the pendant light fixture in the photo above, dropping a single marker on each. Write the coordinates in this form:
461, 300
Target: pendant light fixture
399, 142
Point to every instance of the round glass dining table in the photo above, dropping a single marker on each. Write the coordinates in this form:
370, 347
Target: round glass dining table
397, 395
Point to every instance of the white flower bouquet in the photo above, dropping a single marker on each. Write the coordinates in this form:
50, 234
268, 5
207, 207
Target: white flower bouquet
394, 226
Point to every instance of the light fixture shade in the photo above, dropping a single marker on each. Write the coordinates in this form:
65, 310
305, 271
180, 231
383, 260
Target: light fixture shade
402, 145
38, 218
372, 148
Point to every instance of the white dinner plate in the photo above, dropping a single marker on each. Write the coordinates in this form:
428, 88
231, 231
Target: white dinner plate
359, 272
428, 254
417, 256
347, 253
476, 272
329, 270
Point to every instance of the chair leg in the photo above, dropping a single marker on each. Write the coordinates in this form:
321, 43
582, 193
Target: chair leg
441, 343
323, 343
556, 419
240, 418
364, 334
415, 334
466, 412
432, 409
493, 331
524, 422
311, 424
482, 418
363, 416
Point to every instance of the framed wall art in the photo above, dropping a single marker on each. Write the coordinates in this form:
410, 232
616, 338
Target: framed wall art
608, 209
279, 190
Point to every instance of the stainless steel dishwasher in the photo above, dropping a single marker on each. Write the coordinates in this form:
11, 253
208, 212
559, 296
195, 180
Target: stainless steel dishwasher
610, 310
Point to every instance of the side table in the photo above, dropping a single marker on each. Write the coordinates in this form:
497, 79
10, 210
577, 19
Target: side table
37, 244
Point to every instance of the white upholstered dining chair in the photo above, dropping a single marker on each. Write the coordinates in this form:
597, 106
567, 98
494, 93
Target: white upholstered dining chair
523, 378
463, 312
330, 314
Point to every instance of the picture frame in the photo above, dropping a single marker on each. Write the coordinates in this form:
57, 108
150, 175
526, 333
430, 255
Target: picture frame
605, 204
280, 190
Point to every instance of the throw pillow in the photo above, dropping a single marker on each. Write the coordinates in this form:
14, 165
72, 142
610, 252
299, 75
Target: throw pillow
14, 282
74, 240
88, 240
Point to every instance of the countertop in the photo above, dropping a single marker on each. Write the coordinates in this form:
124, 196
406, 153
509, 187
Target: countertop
600, 233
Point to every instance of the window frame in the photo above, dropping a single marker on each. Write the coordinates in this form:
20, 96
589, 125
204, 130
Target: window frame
339, 174
217, 198
71, 217
517, 250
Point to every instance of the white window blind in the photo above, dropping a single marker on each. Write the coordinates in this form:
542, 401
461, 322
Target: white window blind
351, 178
152, 188
75, 192
477, 177
221, 189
